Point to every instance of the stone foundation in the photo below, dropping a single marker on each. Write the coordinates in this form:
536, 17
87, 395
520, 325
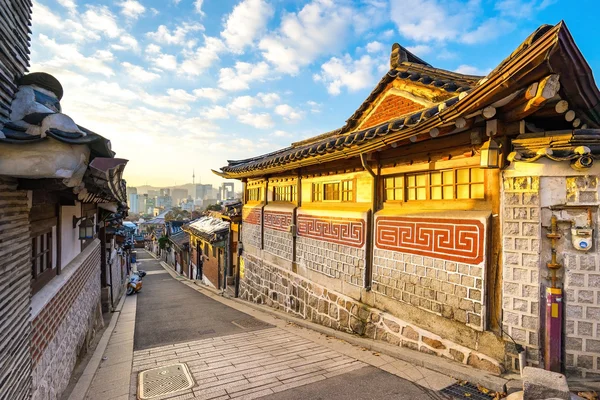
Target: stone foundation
265, 283
65, 325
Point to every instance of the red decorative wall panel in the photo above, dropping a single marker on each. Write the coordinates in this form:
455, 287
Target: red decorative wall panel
278, 220
346, 231
252, 216
460, 240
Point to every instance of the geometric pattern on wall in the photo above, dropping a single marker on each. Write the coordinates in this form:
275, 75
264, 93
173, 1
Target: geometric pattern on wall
278, 220
252, 215
460, 240
346, 231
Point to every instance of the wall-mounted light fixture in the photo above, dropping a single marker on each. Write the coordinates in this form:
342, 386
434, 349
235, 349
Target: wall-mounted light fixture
86, 227
490, 155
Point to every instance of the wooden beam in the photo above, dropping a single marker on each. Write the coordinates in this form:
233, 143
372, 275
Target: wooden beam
576, 122
545, 90
570, 115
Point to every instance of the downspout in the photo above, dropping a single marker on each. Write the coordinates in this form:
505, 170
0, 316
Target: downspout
370, 224
294, 230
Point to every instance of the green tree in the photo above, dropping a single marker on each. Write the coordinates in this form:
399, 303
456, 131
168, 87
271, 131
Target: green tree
214, 207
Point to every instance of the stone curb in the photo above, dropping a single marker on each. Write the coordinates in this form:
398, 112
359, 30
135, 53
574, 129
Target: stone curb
85, 381
434, 363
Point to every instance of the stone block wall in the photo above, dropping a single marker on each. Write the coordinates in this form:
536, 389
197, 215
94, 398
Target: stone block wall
15, 277
266, 283
65, 325
581, 283
252, 230
447, 288
434, 262
521, 291
332, 246
278, 240
334, 260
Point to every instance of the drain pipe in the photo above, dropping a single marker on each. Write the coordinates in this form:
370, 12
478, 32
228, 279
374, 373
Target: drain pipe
370, 223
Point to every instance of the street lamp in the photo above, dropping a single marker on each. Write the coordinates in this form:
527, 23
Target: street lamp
490, 155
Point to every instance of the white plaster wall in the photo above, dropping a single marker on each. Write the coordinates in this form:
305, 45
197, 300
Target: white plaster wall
70, 245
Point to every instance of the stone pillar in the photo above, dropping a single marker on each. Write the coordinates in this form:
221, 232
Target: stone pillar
521, 232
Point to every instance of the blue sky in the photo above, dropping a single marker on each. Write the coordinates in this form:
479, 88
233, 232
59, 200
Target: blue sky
179, 85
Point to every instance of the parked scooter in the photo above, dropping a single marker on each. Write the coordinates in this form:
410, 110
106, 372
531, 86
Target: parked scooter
135, 281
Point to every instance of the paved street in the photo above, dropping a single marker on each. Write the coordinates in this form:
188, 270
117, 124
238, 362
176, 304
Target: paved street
234, 355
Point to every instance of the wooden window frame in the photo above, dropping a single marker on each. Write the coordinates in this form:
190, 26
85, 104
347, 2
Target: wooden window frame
319, 191
40, 277
285, 193
428, 186
254, 194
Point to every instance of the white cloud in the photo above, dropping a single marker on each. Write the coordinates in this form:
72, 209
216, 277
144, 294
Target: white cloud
100, 19
374, 47
198, 6
315, 107
139, 73
260, 121
288, 113
69, 4
132, 9
488, 30
154, 11
269, 99
66, 55
282, 134
247, 20
318, 28
240, 77
215, 112
196, 62
244, 103
338, 73
160, 60
471, 70
44, 17
176, 37
420, 49
175, 99
212, 94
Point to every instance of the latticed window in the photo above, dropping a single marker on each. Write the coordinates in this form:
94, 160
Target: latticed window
41, 259
450, 184
348, 190
284, 193
317, 192
333, 191
254, 194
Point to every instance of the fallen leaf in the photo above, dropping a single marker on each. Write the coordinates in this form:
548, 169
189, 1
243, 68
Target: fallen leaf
482, 389
467, 394
376, 354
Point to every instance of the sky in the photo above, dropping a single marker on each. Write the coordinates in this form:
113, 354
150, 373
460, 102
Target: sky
185, 85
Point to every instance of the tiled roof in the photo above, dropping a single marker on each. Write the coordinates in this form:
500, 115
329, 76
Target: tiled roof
549, 50
208, 227
336, 142
414, 70
180, 239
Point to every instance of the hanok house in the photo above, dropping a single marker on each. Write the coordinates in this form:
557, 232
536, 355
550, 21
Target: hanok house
210, 254
59, 183
426, 220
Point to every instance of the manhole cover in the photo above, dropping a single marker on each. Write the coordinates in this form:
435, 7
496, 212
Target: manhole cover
465, 390
164, 380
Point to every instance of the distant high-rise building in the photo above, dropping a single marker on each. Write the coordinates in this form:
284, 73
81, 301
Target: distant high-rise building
133, 202
131, 190
142, 199
178, 195
226, 191
150, 204
202, 191
164, 201
153, 193
165, 192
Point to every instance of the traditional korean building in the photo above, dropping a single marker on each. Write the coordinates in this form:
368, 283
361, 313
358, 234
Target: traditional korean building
426, 220
60, 189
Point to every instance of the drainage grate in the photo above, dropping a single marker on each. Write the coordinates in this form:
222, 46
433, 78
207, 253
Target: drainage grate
164, 380
465, 390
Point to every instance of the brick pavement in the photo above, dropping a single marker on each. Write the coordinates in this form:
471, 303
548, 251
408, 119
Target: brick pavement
248, 365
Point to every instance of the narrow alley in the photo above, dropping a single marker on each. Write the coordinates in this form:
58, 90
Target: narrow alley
231, 354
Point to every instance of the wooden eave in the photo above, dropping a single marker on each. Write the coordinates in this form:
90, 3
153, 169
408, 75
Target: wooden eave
533, 61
